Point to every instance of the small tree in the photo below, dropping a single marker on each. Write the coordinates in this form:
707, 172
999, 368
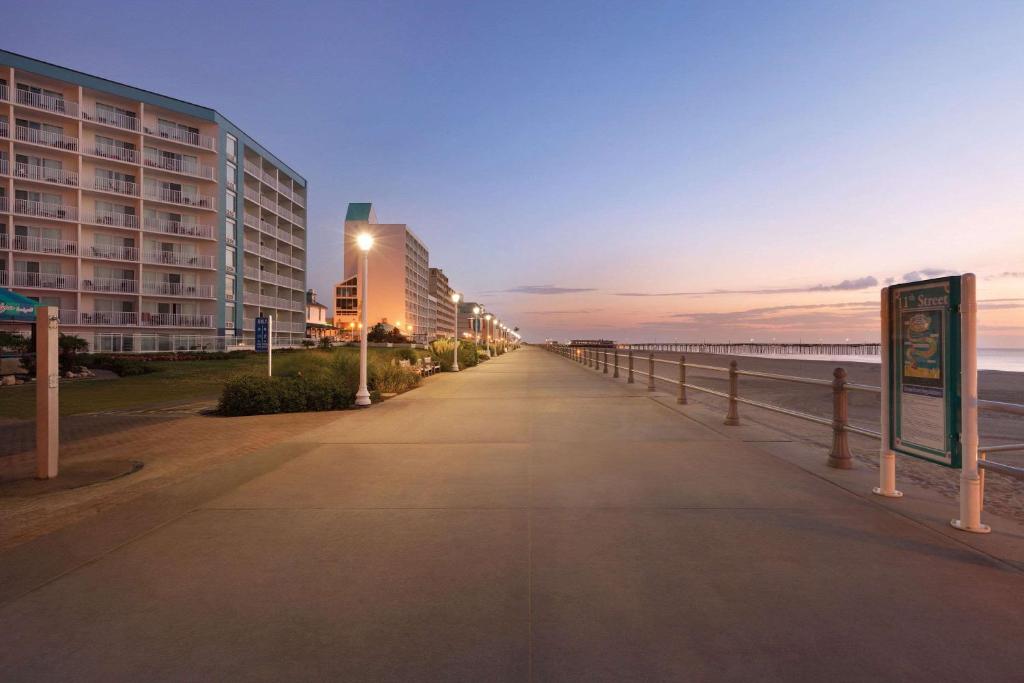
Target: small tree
69, 346
326, 343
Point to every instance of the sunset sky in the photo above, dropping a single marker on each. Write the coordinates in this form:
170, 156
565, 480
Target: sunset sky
630, 170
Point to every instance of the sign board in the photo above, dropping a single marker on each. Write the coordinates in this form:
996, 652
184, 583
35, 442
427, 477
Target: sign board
262, 334
925, 381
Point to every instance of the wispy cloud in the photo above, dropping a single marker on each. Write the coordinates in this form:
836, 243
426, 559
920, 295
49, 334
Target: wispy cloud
926, 274
574, 311
1006, 274
866, 282
548, 289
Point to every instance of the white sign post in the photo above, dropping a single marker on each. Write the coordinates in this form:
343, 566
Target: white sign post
270, 346
970, 480
47, 379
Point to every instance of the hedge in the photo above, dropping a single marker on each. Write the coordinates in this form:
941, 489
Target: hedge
250, 395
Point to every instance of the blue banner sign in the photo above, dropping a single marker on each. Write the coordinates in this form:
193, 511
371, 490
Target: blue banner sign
262, 334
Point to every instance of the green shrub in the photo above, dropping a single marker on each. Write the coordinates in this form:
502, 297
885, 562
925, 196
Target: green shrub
326, 343
467, 355
250, 395
389, 378
308, 343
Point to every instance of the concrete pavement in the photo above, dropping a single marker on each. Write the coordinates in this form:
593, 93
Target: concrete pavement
524, 520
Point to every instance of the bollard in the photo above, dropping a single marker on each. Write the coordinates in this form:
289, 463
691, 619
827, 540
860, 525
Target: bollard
732, 418
840, 456
681, 399
615, 361
629, 379
650, 372
606, 362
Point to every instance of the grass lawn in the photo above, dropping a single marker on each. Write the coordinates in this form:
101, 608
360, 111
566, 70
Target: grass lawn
174, 381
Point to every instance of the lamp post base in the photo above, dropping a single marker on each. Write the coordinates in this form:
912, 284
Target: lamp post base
362, 398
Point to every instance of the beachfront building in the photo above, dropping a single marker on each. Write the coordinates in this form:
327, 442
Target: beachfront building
441, 290
398, 273
150, 222
318, 323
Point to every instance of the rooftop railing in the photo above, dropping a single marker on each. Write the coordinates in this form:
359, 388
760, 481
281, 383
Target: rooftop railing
51, 103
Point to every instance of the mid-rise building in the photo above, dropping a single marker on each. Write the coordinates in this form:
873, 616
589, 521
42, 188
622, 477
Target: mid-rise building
441, 290
152, 223
398, 273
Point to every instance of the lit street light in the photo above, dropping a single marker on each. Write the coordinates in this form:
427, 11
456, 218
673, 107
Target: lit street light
364, 241
487, 334
455, 360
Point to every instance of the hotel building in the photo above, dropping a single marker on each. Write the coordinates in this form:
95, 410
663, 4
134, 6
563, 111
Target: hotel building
442, 292
152, 223
399, 276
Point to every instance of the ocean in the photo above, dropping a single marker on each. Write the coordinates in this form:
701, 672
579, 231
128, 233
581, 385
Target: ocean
1007, 360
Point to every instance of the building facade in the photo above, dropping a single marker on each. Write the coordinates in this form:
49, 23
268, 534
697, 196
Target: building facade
152, 223
398, 272
441, 290
318, 323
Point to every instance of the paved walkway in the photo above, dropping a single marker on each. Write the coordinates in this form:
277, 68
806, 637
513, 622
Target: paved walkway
525, 520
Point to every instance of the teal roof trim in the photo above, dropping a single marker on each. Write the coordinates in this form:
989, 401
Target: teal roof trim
359, 212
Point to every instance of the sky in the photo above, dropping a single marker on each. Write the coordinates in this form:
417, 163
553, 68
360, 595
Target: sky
629, 170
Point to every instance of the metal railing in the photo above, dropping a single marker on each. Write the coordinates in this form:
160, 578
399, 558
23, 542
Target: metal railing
114, 218
177, 289
45, 280
179, 228
112, 252
43, 137
114, 285
125, 187
46, 174
115, 119
178, 258
64, 212
44, 245
155, 159
50, 103
176, 319
179, 197
116, 152
185, 136
839, 455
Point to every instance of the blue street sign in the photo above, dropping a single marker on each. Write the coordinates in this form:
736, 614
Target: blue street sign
262, 334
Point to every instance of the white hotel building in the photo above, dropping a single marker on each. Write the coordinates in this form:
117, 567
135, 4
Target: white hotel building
152, 223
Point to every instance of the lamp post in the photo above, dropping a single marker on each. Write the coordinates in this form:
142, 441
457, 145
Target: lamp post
455, 360
474, 323
364, 241
487, 333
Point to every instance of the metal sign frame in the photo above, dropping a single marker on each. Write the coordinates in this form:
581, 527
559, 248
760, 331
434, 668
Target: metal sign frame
925, 370
262, 334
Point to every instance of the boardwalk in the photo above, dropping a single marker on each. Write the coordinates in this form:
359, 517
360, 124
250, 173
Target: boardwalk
526, 520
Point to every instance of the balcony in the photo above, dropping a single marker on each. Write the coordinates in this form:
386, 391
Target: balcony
112, 252
110, 284
177, 289
122, 121
3, 92
3, 165
46, 138
176, 320
115, 152
252, 194
127, 318
4, 129
55, 105
177, 258
154, 159
44, 245
183, 136
3, 204
252, 169
127, 188
181, 198
268, 179
67, 317
46, 174
178, 228
251, 221
251, 247
45, 280
45, 210
115, 219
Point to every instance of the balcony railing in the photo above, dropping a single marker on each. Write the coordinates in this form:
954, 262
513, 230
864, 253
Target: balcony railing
67, 317
114, 218
46, 174
44, 137
45, 210
3, 92
177, 289
268, 179
108, 151
112, 252
3, 204
178, 197
177, 258
252, 194
178, 228
154, 159
4, 129
251, 221
176, 320
125, 187
110, 284
57, 105
45, 245
184, 136
3, 165
252, 247
45, 280
252, 169
108, 318
117, 120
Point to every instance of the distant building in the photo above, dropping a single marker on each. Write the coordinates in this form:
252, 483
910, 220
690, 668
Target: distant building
346, 307
399, 272
317, 324
441, 290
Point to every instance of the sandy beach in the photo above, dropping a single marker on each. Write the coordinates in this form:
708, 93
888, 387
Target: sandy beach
1002, 495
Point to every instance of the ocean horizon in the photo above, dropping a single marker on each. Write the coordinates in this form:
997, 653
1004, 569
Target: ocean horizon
1005, 360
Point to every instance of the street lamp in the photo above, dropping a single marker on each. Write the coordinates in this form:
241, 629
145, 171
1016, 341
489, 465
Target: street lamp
475, 322
455, 360
487, 334
364, 241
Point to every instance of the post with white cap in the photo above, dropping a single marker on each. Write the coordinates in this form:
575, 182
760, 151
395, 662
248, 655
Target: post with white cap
970, 481
886, 456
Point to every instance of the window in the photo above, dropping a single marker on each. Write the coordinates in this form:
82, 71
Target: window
229, 231
229, 316
229, 287
230, 201
231, 147
229, 259
231, 176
